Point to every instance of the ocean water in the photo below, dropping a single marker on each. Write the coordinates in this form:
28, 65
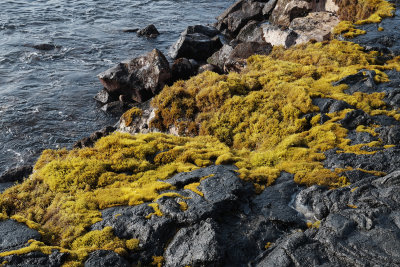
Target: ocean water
46, 97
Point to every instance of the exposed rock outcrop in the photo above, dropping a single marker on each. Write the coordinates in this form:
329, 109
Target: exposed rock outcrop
277, 36
89, 141
196, 42
315, 26
137, 79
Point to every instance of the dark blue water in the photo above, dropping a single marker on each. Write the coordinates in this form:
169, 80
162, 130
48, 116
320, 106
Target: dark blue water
46, 97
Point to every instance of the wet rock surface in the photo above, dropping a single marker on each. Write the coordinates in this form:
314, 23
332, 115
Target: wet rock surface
16, 174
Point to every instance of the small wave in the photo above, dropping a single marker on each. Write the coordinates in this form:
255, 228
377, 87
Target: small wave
28, 57
17, 154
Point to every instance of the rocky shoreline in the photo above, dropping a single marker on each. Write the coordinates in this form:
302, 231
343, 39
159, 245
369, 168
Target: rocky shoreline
197, 175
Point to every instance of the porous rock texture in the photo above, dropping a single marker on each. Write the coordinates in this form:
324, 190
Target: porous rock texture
232, 226
14, 235
228, 225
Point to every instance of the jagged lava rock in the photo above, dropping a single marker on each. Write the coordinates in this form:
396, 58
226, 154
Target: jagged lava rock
228, 225
138, 79
37, 259
196, 42
386, 40
105, 258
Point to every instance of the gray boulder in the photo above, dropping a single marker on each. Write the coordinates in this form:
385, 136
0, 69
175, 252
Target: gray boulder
182, 69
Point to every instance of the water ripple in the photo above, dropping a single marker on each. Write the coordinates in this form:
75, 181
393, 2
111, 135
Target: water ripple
46, 97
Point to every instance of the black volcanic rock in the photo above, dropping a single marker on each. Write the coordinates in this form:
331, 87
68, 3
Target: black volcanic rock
105, 258
138, 79
15, 235
149, 31
16, 174
196, 42
38, 259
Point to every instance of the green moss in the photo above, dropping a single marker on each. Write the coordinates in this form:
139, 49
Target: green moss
194, 187
183, 205
156, 209
158, 261
131, 114
103, 239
